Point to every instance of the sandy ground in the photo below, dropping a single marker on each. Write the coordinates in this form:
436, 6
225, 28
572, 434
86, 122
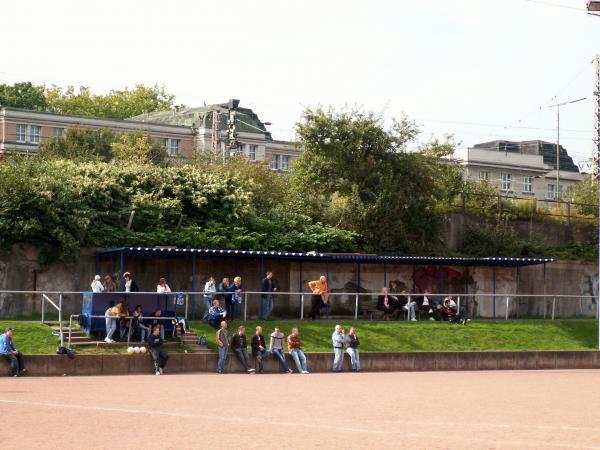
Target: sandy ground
426, 410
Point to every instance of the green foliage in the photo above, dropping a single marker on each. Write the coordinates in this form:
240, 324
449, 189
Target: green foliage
79, 144
23, 95
357, 174
139, 147
116, 104
586, 194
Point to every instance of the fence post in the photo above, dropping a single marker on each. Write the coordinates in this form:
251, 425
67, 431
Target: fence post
43, 307
62, 336
506, 316
356, 307
553, 306
458, 304
568, 213
245, 306
70, 328
187, 297
302, 307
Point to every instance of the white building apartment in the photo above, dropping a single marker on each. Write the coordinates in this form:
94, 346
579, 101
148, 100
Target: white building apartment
522, 169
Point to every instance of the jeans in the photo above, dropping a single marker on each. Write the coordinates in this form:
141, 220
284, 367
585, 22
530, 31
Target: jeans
144, 332
242, 355
260, 356
222, 358
160, 357
122, 328
230, 307
354, 357
300, 359
410, 306
111, 327
207, 306
16, 362
281, 357
338, 359
266, 306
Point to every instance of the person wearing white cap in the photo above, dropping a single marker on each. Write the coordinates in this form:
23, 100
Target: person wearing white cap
97, 284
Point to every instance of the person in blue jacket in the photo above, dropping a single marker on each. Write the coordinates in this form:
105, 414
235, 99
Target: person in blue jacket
9, 351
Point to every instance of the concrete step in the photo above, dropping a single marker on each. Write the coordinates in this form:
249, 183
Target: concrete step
120, 344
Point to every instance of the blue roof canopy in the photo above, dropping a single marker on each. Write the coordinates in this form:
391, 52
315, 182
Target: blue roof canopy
327, 257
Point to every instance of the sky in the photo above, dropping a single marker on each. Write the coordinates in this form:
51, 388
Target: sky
474, 69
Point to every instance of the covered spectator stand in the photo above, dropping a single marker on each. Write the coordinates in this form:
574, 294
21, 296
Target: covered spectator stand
187, 269
96, 304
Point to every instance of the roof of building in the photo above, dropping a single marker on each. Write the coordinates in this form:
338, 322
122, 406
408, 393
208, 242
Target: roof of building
201, 117
545, 149
329, 257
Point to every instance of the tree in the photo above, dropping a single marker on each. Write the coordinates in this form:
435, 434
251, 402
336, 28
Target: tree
79, 144
23, 95
356, 173
586, 194
138, 147
115, 105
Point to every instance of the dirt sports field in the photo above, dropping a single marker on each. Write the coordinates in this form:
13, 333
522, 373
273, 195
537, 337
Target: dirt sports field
426, 410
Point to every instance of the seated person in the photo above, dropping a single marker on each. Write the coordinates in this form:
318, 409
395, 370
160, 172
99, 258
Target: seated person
155, 322
216, 314
384, 303
157, 351
427, 304
408, 305
138, 325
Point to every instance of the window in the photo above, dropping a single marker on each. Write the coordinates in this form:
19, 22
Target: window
164, 143
551, 193
58, 132
252, 152
34, 134
275, 162
505, 181
484, 175
527, 184
240, 149
285, 162
21, 132
174, 147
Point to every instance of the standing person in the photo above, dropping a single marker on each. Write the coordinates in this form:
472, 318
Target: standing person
276, 348
295, 349
353, 343
162, 287
236, 297
259, 349
216, 314
224, 291
137, 324
130, 284
10, 352
239, 345
209, 295
159, 354
223, 343
338, 338
109, 284
97, 284
320, 295
110, 316
267, 287
122, 319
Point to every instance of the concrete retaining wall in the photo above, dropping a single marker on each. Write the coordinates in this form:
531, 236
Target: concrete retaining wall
60, 365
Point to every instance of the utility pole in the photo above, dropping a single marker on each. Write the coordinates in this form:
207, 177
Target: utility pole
557, 106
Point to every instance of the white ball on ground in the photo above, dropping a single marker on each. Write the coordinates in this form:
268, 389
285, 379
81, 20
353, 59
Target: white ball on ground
130, 350
143, 349
136, 349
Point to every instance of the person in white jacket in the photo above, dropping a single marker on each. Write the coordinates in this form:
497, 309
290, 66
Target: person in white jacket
97, 284
163, 287
337, 338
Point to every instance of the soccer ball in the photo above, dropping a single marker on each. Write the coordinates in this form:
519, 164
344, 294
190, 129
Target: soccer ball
130, 350
142, 349
136, 349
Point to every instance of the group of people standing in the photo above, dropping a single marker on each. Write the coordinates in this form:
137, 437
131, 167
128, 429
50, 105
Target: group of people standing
277, 343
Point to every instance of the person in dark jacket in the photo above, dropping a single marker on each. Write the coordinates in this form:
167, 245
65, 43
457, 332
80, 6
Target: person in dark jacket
385, 304
352, 344
159, 354
267, 287
216, 314
259, 349
239, 344
130, 284
224, 292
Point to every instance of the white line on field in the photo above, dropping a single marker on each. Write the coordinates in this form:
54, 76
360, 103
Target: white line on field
489, 441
